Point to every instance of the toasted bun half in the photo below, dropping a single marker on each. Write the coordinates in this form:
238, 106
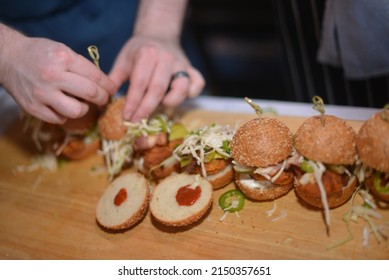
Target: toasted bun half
267, 190
78, 149
124, 202
329, 140
111, 124
165, 206
373, 142
336, 195
261, 142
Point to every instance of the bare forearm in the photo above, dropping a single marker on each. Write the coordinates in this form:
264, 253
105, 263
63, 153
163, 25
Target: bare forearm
9, 39
161, 18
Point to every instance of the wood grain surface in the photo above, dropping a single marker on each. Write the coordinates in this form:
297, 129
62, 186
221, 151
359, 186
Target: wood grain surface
51, 215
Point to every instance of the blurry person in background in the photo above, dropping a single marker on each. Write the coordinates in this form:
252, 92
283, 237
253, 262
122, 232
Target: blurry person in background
337, 49
354, 37
44, 63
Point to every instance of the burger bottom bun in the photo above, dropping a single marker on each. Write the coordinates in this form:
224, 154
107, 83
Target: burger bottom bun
165, 208
369, 182
334, 199
222, 178
131, 210
77, 149
270, 192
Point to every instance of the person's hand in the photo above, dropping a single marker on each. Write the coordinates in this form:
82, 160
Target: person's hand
149, 64
50, 81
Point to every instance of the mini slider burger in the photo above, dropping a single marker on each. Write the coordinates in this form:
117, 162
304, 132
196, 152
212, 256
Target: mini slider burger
373, 151
155, 141
117, 140
327, 156
81, 136
148, 144
206, 151
75, 140
261, 149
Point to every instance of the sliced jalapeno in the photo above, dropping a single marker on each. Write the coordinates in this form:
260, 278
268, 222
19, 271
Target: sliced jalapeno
232, 201
381, 183
306, 167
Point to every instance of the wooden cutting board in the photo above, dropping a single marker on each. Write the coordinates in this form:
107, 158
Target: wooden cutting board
51, 215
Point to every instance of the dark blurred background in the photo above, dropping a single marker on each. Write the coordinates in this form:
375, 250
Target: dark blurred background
267, 49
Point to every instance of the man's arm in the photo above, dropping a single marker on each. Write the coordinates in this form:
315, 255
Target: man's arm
47, 79
162, 19
152, 56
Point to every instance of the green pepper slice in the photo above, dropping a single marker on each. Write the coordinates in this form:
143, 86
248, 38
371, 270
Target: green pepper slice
306, 167
379, 181
232, 201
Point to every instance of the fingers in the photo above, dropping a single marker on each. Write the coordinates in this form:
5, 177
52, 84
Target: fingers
121, 69
178, 91
83, 88
183, 87
149, 65
197, 82
67, 106
47, 114
85, 68
147, 89
142, 100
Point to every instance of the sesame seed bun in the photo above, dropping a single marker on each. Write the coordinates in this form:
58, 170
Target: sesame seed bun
165, 208
271, 192
332, 142
373, 142
111, 124
336, 193
261, 142
131, 209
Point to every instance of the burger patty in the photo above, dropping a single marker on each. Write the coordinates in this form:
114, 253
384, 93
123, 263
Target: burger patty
333, 183
157, 154
154, 156
211, 167
285, 178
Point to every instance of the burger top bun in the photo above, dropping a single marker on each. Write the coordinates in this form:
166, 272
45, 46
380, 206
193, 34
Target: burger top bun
111, 124
261, 142
83, 124
332, 142
373, 142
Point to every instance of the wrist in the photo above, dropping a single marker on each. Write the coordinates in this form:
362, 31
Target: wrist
161, 19
9, 39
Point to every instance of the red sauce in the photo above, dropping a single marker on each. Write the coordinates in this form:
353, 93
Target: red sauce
187, 196
120, 197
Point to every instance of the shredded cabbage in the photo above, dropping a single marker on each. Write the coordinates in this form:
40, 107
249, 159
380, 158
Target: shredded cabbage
117, 153
367, 211
202, 142
46, 162
318, 170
